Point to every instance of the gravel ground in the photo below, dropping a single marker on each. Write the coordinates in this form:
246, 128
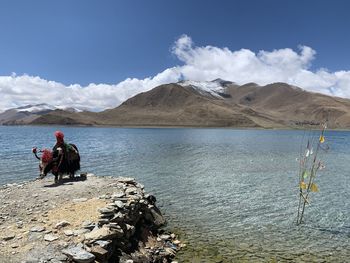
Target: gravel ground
30, 212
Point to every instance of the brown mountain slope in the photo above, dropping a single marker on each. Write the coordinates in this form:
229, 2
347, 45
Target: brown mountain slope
174, 105
62, 117
277, 105
12, 117
292, 105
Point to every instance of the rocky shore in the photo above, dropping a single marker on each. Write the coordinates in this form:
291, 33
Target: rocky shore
86, 219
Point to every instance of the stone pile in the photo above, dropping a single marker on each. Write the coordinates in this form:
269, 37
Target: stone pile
128, 230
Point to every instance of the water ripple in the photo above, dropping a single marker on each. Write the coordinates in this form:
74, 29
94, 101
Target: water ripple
235, 190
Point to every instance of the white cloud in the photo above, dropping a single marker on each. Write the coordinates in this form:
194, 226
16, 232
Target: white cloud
264, 67
199, 63
22, 90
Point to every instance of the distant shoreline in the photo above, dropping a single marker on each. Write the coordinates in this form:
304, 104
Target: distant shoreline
173, 127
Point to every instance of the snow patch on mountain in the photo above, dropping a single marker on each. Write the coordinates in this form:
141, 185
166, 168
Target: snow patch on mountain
36, 108
44, 107
214, 88
70, 109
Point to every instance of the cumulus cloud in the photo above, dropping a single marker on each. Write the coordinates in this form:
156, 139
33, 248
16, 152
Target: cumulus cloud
201, 63
23, 90
264, 67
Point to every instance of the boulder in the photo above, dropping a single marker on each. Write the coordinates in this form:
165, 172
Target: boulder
154, 216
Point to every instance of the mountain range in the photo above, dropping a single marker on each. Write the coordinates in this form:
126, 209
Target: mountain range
216, 103
27, 114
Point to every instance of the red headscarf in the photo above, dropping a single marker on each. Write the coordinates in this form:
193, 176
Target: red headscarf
47, 156
59, 136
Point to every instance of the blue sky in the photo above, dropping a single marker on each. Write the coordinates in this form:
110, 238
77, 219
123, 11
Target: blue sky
101, 52
107, 41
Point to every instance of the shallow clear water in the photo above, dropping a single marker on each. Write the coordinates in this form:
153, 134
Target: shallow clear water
231, 193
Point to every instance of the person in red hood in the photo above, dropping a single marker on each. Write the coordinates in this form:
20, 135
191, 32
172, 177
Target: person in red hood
59, 150
59, 139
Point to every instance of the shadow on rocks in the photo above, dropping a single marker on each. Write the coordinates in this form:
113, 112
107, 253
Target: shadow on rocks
67, 181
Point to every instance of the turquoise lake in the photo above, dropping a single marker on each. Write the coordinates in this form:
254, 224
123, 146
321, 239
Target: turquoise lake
231, 194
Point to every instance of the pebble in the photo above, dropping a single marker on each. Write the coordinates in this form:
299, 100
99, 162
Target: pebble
128, 180
102, 197
115, 225
141, 186
170, 251
104, 233
106, 210
176, 242
88, 225
103, 243
103, 221
80, 231
68, 232
79, 200
78, 254
119, 204
131, 190
37, 229
14, 245
117, 195
61, 257
62, 224
8, 237
165, 237
50, 237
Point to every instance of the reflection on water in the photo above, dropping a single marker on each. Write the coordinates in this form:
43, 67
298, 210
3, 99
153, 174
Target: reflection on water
231, 193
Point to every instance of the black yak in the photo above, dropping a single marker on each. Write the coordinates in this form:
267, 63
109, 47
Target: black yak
63, 160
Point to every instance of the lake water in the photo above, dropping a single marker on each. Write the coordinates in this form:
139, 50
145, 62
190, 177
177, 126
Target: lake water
231, 194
